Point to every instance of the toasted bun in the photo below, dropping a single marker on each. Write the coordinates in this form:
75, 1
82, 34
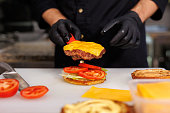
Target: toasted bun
84, 81
96, 106
151, 74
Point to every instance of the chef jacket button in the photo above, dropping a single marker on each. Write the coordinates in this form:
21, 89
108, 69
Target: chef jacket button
82, 36
80, 10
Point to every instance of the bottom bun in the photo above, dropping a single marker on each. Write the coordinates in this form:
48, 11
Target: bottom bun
97, 106
151, 74
83, 82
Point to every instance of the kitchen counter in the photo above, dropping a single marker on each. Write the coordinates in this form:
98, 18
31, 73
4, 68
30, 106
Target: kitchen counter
60, 92
30, 54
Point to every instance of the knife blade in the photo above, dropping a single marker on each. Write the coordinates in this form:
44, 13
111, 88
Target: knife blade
8, 72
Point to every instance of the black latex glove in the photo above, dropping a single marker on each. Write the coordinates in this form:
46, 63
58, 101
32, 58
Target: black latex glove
60, 32
128, 33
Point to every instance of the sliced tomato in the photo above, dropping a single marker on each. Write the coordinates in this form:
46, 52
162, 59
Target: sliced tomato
89, 66
74, 69
8, 87
92, 74
34, 92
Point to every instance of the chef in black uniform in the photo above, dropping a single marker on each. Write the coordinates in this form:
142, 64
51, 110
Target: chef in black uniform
119, 25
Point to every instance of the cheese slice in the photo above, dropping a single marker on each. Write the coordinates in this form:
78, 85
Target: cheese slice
159, 90
90, 47
105, 93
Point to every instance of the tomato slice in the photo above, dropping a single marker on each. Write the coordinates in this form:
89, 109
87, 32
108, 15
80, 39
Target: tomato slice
74, 69
92, 74
8, 87
34, 92
89, 66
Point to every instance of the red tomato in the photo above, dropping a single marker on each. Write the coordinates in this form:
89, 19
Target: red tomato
8, 87
34, 92
89, 66
92, 74
74, 69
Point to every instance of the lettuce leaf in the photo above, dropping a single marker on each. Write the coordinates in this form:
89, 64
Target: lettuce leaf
103, 69
73, 76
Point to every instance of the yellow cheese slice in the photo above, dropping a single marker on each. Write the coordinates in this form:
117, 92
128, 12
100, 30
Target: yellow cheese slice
105, 93
159, 90
90, 47
142, 91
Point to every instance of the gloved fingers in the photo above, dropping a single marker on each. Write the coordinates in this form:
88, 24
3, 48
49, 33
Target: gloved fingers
76, 33
109, 26
132, 41
56, 38
64, 33
119, 36
126, 39
74, 30
138, 39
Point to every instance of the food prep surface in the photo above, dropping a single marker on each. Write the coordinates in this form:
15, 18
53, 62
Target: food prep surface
60, 92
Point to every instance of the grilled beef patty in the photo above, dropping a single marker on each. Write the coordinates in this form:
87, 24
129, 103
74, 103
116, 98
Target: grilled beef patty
79, 54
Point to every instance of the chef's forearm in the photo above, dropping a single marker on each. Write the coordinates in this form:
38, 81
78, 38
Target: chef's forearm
145, 9
52, 15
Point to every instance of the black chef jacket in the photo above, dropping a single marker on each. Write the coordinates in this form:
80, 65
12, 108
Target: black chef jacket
91, 16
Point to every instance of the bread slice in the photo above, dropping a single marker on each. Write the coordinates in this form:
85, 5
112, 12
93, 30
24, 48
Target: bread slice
84, 50
151, 74
96, 106
83, 81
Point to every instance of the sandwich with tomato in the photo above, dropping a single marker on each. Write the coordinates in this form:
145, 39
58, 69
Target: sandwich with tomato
84, 74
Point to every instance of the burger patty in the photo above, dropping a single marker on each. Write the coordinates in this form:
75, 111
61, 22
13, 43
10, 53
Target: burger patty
77, 54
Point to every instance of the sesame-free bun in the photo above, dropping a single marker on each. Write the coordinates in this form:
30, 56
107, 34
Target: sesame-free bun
97, 106
83, 81
151, 74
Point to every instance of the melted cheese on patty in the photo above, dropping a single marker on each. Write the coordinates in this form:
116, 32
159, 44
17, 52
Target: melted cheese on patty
89, 47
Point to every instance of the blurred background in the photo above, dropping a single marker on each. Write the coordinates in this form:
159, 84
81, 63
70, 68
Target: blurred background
23, 44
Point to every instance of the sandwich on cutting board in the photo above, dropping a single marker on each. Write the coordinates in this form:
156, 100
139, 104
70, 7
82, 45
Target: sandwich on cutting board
84, 74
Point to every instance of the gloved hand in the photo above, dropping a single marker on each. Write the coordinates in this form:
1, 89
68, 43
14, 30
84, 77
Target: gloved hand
60, 32
128, 34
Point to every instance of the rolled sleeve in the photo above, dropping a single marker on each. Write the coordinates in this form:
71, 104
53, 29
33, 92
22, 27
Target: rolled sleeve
161, 8
39, 6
